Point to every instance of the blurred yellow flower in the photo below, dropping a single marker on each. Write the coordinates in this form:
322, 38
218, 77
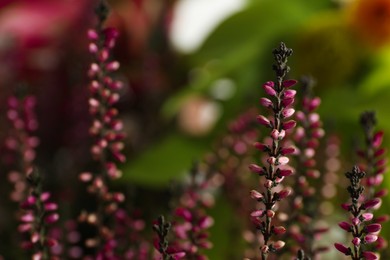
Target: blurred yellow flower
370, 19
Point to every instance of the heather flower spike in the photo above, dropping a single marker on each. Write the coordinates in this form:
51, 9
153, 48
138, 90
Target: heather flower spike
38, 214
307, 142
106, 131
362, 232
280, 94
374, 165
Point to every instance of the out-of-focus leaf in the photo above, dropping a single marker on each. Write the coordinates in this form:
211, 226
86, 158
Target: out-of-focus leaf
168, 160
378, 80
243, 39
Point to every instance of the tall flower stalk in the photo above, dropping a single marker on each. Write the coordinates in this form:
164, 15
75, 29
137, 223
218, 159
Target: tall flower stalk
106, 130
360, 226
373, 163
305, 202
37, 211
280, 105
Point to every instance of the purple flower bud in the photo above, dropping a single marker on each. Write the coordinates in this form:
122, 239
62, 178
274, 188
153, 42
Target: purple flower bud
260, 146
370, 238
113, 65
375, 227
368, 255
257, 213
355, 221
268, 184
284, 193
93, 48
346, 206
287, 101
269, 88
184, 213
289, 93
288, 112
380, 152
285, 172
383, 218
356, 241
283, 160
270, 213
206, 222
279, 230
92, 34
367, 216
377, 139
278, 245
256, 169
256, 195
289, 124
263, 120
51, 206
276, 135
287, 150
343, 249
266, 102
52, 218
271, 160
346, 226
314, 103
289, 83
371, 203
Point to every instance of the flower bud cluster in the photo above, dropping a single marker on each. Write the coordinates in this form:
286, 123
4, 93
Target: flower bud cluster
191, 220
279, 101
307, 137
107, 132
374, 164
21, 142
38, 212
360, 224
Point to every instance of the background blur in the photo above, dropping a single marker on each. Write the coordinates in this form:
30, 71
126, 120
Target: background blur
190, 67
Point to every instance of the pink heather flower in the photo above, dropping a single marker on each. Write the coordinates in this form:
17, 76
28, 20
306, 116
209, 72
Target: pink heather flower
289, 93
256, 169
263, 120
377, 139
261, 147
279, 230
368, 255
289, 83
289, 124
266, 102
287, 150
285, 172
278, 245
343, 249
283, 160
356, 241
288, 112
275, 134
367, 216
257, 213
284, 193
370, 238
206, 222
346, 226
256, 195
372, 228
371, 203
269, 88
